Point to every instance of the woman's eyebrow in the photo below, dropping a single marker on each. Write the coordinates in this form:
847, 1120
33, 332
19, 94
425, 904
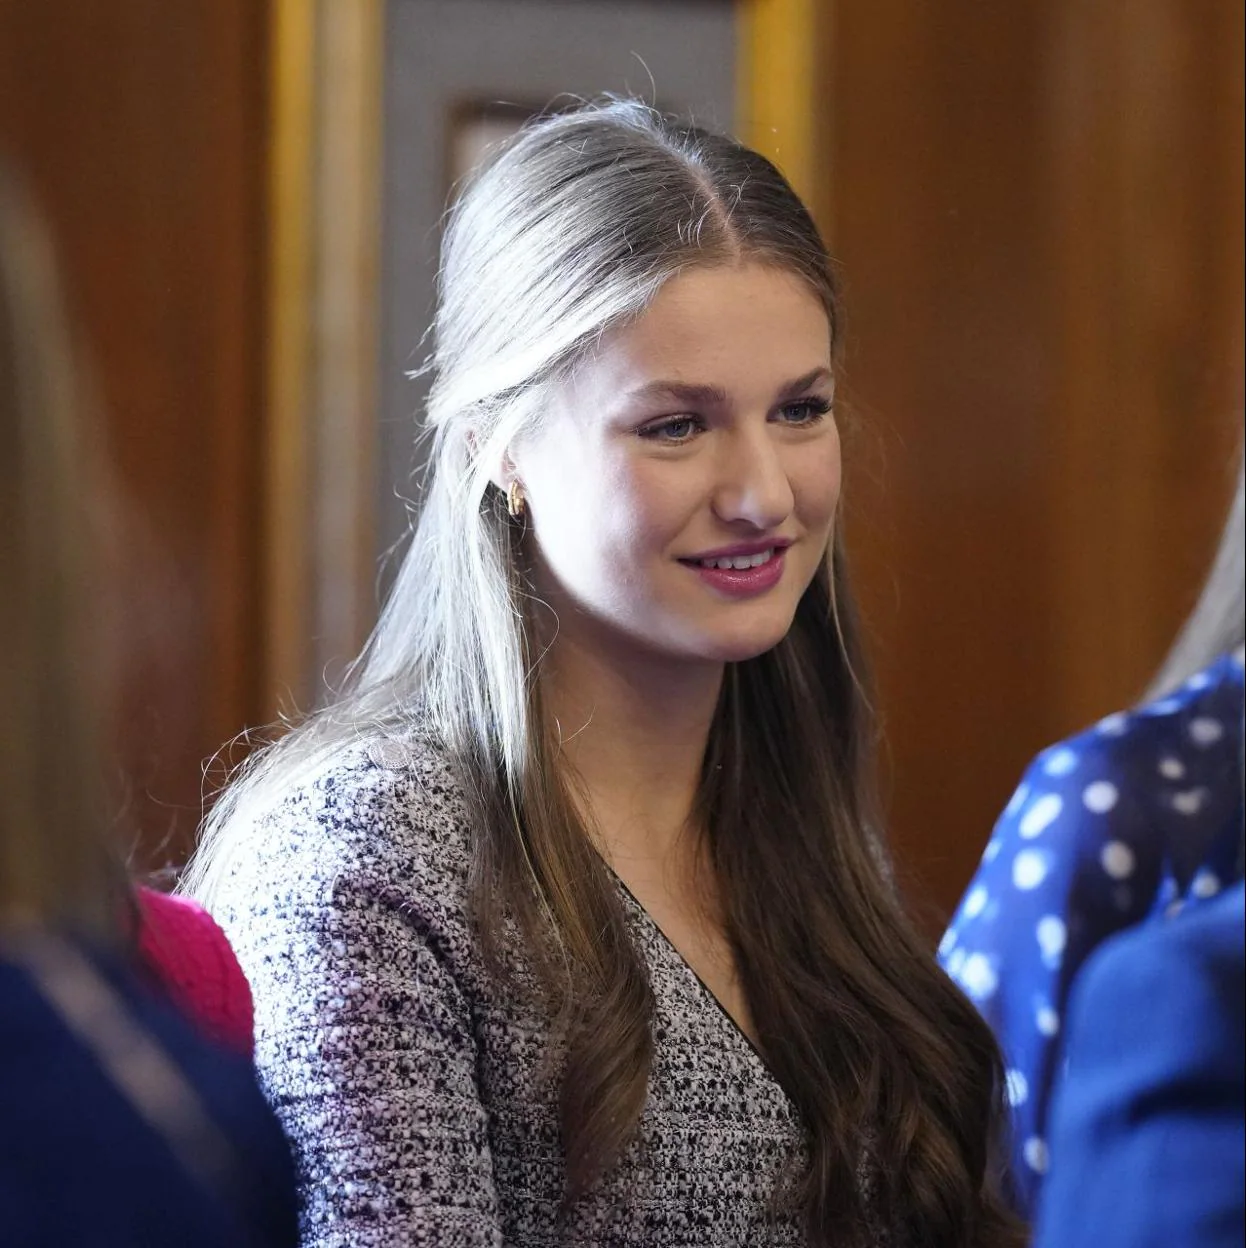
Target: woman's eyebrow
699, 395
680, 392
805, 381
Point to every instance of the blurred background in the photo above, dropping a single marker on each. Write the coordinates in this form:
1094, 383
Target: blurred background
1038, 211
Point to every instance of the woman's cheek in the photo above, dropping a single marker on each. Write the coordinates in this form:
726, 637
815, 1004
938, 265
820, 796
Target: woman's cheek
816, 490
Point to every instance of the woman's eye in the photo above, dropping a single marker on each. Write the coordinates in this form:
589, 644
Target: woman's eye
804, 411
674, 429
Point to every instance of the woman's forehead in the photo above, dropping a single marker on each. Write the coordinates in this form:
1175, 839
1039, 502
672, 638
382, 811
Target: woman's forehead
725, 328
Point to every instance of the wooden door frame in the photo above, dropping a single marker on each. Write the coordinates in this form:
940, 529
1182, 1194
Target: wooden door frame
320, 440
782, 100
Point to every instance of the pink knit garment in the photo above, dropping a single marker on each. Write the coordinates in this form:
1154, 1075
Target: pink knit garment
181, 943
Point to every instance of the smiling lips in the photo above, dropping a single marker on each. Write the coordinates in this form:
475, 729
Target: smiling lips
741, 571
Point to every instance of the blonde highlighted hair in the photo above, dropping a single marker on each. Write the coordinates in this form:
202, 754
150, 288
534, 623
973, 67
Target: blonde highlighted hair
1217, 624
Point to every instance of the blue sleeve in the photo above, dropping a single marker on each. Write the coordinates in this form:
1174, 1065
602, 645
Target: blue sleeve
1072, 860
1147, 1127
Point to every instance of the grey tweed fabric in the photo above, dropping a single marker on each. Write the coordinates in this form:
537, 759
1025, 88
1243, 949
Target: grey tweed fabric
414, 1087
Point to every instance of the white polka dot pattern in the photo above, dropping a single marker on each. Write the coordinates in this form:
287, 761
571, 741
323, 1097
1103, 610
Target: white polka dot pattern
1189, 802
1019, 798
1042, 813
1017, 1088
1206, 884
978, 976
1171, 768
1047, 1021
1036, 1155
1086, 848
1205, 731
975, 903
1100, 797
1118, 860
1029, 869
1060, 762
1052, 935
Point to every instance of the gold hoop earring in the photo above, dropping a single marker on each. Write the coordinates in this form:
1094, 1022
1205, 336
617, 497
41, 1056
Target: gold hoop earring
515, 501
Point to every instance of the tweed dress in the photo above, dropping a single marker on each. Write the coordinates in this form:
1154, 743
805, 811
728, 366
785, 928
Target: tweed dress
415, 1087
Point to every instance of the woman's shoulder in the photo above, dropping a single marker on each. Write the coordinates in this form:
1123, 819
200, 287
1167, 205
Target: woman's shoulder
1108, 823
1172, 759
386, 807
386, 793
1202, 717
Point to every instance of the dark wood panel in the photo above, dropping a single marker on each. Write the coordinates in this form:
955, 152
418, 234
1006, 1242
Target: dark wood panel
1146, 205
1038, 208
141, 126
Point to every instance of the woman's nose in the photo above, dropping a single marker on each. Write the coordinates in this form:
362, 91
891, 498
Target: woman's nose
753, 484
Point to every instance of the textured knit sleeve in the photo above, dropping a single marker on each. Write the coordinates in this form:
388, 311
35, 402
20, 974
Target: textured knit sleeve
364, 1036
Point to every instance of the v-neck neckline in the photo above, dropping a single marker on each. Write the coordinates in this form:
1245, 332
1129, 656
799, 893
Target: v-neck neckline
706, 990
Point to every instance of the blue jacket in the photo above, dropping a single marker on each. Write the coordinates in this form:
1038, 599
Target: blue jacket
1147, 1125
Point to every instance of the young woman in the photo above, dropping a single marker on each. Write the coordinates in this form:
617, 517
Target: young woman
1136, 818
569, 921
122, 1123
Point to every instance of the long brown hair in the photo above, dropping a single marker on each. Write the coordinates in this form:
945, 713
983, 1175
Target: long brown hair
889, 1066
573, 229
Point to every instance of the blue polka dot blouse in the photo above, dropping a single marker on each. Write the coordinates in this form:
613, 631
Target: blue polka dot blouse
1127, 823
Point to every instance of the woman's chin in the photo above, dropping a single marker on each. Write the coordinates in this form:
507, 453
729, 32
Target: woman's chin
737, 645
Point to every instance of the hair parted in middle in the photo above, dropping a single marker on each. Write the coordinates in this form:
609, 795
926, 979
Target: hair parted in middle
569, 232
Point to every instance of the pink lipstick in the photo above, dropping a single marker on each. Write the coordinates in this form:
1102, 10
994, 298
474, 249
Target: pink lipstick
743, 570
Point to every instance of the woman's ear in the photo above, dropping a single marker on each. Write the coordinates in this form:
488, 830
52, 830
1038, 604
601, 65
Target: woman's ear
505, 474
502, 471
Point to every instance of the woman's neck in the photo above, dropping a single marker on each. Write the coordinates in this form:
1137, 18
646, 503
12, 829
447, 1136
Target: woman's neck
634, 728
